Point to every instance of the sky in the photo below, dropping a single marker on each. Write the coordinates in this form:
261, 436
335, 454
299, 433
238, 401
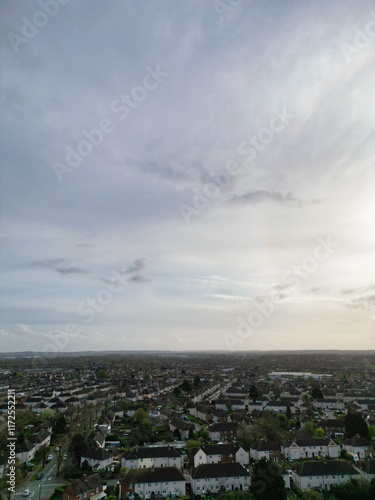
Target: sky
187, 175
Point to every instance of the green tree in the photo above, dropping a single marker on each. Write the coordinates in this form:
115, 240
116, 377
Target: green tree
309, 428
354, 489
186, 386
254, 393
101, 374
319, 432
355, 424
266, 481
78, 446
60, 424
316, 393
197, 381
47, 414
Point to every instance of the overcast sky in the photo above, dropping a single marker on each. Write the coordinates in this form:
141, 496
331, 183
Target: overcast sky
226, 199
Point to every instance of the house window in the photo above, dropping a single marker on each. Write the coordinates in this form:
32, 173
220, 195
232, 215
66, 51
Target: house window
149, 484
166, 483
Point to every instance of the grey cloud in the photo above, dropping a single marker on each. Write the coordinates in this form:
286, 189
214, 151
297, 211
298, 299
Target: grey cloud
366, 302
352, 291
262, 195
58, 265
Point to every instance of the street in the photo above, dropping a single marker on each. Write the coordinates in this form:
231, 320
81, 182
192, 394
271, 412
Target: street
43, 488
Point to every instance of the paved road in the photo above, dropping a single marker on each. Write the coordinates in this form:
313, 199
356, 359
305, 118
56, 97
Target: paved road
45, 486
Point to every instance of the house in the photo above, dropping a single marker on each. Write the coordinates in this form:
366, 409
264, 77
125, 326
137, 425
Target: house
25, 451
358, 445
183, 428
223, 431
329, 404
333, 426
160, 481
160, 456
310, 448
221, 476
97, 458
221, 453
265, 449
368, 469
323, 474
43, 438
87, 487
280, 406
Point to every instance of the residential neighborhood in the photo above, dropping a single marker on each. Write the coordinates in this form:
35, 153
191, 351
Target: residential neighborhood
188, 426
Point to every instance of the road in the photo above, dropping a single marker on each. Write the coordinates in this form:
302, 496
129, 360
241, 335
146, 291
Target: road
43, 487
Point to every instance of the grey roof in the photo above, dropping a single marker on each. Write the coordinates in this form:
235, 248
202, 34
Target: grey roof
331, 467
152, 475
153, 452
229, 469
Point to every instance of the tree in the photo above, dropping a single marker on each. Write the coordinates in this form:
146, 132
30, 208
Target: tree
47, 414
60, 424
266, 481
354, 489
186, 386
319, 432
101, 374
355, 424
254, 393
309, 428
78, 446
316, 393
197, 381
141, 415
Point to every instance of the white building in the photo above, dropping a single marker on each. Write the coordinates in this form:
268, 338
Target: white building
221, 453
161, 456
98, 458
162, 481
310, 448
323, 474
214, 477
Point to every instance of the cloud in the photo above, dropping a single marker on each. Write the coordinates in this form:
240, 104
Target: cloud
352, 291
60, 266
366, 302
262, 195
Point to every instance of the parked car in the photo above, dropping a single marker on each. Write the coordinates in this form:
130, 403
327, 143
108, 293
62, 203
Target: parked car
65, 457
49, 458
26, 493
39, 476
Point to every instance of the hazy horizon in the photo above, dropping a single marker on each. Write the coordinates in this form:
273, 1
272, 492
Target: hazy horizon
187, 176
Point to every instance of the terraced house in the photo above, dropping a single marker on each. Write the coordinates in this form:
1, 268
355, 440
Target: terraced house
310, 448
150, 482
158, 456
219, 453
216, 477
323, 475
